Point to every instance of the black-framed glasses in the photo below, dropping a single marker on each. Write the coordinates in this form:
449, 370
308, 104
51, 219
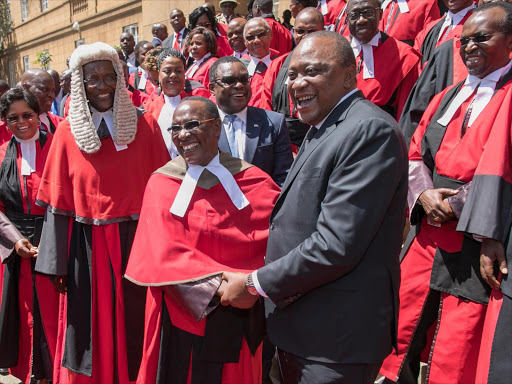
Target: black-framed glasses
188, 126
108, 80
258, 35
366, 13
25, 116
230, 81
477, 39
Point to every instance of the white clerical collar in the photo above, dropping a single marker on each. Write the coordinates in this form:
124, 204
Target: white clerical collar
368, 63
44, 118
484, 94
181, 202
402, 5
319, 125
251, 68
239, 55
108, 116
242, 115
174, 100
28, 154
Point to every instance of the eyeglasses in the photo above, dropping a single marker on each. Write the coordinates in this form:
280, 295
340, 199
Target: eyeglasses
188, 126
109, 81
27, 116
366, 13
477, 39
301, 32
230, 81
258, 35
204, 25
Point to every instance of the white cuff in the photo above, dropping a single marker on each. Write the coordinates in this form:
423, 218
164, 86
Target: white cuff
257, 284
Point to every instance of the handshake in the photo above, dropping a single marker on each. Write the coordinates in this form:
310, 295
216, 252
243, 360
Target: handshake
233, 291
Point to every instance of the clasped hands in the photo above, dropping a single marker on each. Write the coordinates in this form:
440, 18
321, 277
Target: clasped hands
232, 291
436, 206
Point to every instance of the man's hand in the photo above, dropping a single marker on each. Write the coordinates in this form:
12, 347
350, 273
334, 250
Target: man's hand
436, 207
25, 249
491, 251
222, 288
235, 293
60, 283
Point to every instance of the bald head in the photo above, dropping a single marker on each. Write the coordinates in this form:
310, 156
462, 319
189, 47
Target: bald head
308, 20
56, 79
4, 87
41, 84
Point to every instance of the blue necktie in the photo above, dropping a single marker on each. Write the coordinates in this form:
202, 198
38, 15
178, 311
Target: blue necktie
233, 147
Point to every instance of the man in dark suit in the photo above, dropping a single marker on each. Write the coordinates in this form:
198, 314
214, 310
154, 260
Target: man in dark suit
332, 272
177, 39
159, 32
255, 135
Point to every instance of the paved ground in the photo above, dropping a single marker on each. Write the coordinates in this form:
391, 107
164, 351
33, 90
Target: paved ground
9, 379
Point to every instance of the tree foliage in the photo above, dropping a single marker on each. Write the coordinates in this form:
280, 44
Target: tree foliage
5, 24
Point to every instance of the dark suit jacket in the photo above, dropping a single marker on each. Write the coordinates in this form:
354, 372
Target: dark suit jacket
168, 42
267, 143
332, 271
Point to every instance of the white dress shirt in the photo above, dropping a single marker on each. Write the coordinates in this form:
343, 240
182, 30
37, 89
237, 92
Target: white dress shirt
240, 125
180, 39
130, 61
255, 61
239, 55
452, 19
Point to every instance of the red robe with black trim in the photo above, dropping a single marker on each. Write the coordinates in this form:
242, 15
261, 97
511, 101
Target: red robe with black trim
54, 119
281, 37
212, 237
202, 73
406, 26
396, 70
479, 150
47, 296
268, 82
334, 8
149, 88
257, 81
98, 193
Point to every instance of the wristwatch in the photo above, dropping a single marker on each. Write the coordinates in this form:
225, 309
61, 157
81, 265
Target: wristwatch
249, 285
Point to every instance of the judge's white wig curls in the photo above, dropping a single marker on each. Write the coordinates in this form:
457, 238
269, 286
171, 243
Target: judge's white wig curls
80, 120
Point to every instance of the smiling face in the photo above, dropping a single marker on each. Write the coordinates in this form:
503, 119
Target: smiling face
231, 98
485, 57
200, 145
317, 79
27, 120
172, 76
258, 38
100, 87
177, 20
366, 25
236, 34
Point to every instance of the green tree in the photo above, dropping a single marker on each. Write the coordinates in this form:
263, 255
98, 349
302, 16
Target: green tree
43, 59
5, 24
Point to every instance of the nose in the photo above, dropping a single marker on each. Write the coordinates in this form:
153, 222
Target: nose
471, 46
183, 133
298, 83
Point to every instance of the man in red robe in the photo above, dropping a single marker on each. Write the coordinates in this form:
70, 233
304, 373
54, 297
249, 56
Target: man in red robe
40, 83
404, 19
180, 253
454, 143
386, 68
330, 10
173, 88
92, 187
258, 39
446, 28
281, 37
275, 95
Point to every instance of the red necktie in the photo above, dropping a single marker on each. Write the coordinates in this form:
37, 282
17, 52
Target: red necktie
177, 42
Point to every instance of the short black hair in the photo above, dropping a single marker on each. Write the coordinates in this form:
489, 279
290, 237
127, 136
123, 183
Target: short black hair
156, 27
17, 94
223, 60
342, 48
170, 52
506, 23
265, 5
209, 105
139, 45
209, 37
308, 3
197, 13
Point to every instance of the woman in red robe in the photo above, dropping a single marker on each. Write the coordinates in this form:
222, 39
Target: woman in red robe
29, 303
203, 17
202, 47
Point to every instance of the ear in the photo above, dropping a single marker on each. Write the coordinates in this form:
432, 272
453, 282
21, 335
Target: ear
211, 88
350, 77
218, 126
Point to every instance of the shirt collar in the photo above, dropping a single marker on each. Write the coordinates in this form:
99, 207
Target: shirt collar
319, 125
457, 17
242, 115
491, 77
354, 43
267, 60
199, 62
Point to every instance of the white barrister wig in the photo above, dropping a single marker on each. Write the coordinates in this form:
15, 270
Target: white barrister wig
80, 120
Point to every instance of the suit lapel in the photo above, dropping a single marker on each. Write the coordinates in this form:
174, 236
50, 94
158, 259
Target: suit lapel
252, 134
223, 141
338, 115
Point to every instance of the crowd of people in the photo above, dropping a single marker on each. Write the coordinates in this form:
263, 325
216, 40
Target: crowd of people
330, 198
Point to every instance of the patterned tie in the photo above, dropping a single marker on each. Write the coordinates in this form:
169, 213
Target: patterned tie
177, 42
261, 67
233, 147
